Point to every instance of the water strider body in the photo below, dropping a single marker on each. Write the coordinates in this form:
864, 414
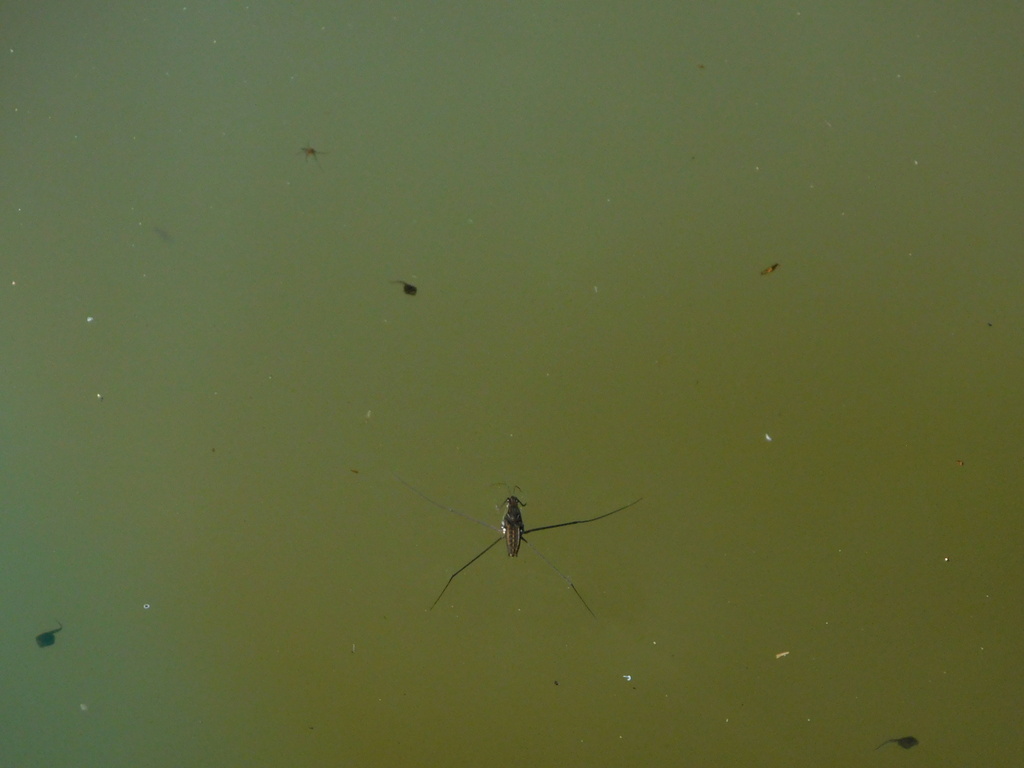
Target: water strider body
513, 533
512, 525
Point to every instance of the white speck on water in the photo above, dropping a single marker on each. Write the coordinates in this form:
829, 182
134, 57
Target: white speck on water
627, 678
767, 437
89, 319
145, 606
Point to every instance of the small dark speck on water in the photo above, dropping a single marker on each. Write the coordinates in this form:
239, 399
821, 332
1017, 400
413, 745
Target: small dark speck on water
164, 235
409, 288
906, 742
48, 638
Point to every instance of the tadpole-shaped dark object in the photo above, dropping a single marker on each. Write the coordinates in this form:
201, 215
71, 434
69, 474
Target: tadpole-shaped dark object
47, 638
906, 742
409, 288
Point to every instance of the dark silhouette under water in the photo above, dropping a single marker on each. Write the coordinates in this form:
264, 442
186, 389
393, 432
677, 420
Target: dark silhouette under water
47, 638
409, 288
906, 742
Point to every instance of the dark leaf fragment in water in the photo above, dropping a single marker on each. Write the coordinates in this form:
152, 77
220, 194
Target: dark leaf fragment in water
47, 638
906, 742
409, 288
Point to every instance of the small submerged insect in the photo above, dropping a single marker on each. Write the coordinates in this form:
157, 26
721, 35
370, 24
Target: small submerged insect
769, 270
513, 533
311, 152
906, 742
46, 639
409, 288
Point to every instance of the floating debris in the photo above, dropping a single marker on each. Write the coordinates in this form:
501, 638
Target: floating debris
769, 270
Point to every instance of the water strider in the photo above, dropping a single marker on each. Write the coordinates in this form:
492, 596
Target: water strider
513, 533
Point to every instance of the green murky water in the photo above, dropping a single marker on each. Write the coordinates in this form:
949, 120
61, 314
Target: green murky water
209, 381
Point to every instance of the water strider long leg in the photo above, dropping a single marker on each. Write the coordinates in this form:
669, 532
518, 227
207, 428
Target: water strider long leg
452, 577
461, 514
572, 522
437, 504
566, 578
562, 525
